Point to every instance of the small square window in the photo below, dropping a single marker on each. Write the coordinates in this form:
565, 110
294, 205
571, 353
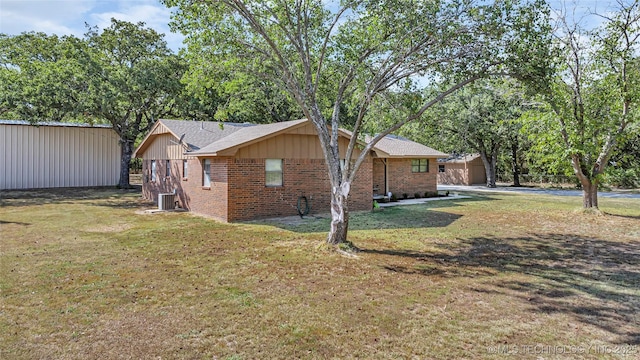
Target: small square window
420, 165
441, 168
273, 172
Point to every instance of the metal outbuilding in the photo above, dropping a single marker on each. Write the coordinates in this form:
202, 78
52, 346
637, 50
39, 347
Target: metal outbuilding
51, 155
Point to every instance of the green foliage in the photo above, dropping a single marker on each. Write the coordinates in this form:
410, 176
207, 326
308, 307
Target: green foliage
124, 75
339, 59
40, 77
622, 178
481, 118
547, 154
593, 98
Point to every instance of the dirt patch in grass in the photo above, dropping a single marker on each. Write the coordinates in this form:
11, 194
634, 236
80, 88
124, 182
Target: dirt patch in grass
474, 279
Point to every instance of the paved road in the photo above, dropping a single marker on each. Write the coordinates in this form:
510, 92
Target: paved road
525, 190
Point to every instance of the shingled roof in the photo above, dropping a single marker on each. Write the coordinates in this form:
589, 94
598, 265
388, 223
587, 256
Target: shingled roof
247, 135
461, 158
204, 138
198, 134
399, 147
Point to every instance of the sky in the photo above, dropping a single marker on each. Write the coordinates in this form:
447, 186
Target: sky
68, 17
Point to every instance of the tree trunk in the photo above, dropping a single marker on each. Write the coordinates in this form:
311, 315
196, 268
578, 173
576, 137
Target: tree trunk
490, 169
589, 184
125, 160
339, 214
514, 160
589, 193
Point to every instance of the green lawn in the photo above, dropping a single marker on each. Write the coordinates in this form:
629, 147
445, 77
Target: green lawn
90, 276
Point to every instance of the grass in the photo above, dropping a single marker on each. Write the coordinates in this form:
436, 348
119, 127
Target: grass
89, 276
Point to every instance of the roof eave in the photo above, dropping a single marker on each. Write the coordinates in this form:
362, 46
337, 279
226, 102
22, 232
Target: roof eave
199, 154
411, 156
231, 150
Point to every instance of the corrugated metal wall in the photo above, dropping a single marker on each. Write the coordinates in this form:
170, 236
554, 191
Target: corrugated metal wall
58, 156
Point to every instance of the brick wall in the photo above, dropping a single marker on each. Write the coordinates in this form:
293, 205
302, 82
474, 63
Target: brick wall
238, 190
162, 184
190, 193
402, 180
249, 198
212, 200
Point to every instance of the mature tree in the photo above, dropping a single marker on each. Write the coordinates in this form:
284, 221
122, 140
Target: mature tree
481, 118
237, 97
595, 94
134, 79
124, 75
40, 77
356, 52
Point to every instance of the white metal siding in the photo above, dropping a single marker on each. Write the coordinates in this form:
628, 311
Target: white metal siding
58, 156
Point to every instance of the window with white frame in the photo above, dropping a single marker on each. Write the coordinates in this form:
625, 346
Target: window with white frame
185, 169
419, 165
168, 168
206, 172
273, 172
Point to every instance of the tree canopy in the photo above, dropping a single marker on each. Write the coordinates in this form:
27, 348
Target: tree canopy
594, 95
124, 75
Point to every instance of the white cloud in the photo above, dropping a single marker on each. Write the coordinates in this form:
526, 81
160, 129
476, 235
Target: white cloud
60, 17
65, 17
151, 12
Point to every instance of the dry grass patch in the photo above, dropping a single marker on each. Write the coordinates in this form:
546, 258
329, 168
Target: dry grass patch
87, 277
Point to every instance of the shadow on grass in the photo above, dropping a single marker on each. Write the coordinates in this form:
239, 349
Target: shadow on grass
2, 222
591, 279
635, 217
396, 217
100, 196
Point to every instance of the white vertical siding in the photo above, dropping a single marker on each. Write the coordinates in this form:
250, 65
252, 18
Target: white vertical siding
57, 156
164, 146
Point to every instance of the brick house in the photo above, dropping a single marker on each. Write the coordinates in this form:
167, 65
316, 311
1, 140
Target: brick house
236, 172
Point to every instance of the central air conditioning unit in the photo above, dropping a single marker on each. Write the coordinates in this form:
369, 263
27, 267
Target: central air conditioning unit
166, 201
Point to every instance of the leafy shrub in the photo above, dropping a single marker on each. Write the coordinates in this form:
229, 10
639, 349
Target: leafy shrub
430, 194
405, 196
623, 178
417, 195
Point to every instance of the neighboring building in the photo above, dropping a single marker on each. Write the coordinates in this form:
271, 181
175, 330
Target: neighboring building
461, 170
236, 172
51, 155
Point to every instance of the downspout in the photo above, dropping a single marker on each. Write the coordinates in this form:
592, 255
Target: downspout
386, 177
